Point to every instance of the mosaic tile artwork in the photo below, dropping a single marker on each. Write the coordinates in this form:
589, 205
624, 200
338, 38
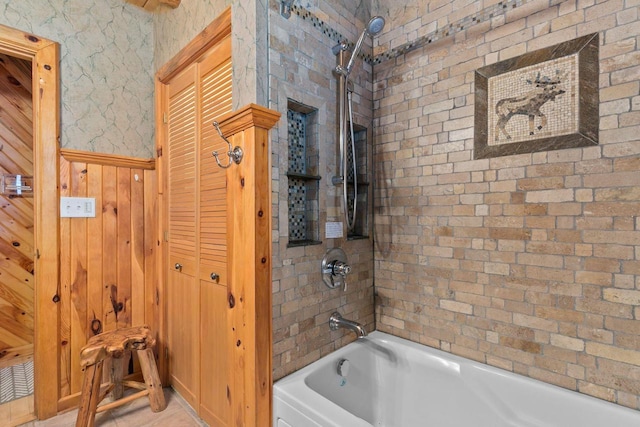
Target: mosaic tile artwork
533, 102
486, 14
303, 190
361, 160
296, 123
350, 171
332, 34
297, 209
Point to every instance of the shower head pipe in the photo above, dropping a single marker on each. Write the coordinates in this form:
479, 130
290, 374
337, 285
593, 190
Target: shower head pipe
373, 28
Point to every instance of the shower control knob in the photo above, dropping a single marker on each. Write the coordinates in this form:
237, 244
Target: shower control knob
335, 268
341, 268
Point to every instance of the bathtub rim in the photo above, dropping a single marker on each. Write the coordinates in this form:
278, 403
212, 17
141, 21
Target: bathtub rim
294, 389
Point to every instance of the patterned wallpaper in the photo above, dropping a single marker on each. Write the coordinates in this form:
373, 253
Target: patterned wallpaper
106, 51
175, 28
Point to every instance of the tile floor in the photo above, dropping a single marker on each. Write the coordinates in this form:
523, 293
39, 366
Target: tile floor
134, 414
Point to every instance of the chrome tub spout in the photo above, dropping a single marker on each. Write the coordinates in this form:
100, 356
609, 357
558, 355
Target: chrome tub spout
336, 321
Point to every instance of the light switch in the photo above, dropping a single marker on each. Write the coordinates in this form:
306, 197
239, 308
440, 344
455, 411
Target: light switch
77, 207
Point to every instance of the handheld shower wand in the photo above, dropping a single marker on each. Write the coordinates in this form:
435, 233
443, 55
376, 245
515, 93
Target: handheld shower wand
374, 27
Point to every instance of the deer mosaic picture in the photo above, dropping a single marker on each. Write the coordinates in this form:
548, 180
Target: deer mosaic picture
542, 100
533, 102
544, 89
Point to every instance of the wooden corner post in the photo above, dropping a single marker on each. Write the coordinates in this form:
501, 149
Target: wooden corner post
249, 249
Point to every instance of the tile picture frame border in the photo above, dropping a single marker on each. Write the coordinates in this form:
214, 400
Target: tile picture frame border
587, 50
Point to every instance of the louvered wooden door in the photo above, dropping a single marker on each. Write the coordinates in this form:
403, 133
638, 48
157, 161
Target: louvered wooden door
197, 243
215, 100
183, 294
16, 215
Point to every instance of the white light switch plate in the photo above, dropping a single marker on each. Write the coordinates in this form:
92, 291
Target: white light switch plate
77, 207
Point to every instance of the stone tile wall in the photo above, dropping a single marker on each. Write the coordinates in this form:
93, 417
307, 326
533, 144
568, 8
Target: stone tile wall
530, 262
300, 69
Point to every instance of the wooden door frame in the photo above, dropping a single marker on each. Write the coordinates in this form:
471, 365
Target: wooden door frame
45, 58
249, 312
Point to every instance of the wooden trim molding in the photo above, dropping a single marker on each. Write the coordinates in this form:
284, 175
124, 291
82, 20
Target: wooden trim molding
247, 117
249, 245
217, 30
151, 5
45, 58
107, 159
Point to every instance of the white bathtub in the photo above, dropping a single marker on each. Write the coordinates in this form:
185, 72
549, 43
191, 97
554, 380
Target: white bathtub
396, 383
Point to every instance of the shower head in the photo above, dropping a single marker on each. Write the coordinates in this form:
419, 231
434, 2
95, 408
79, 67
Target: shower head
375, 25
373, 28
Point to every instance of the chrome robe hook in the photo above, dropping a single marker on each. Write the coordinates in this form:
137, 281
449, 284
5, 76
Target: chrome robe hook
235, 154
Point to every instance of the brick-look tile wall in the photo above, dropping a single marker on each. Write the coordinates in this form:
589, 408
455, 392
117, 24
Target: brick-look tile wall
300, 68
531, 262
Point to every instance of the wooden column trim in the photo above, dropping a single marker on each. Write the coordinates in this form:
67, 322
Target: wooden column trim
47, 228
249, 116
45, 59
249, 246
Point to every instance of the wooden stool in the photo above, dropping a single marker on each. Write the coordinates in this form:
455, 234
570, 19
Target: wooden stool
114, 345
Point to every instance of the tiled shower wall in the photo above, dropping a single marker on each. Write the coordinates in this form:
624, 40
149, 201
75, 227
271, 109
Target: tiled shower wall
300, 69
528, 262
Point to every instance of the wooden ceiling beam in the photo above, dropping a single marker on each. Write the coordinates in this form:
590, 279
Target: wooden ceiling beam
151, 5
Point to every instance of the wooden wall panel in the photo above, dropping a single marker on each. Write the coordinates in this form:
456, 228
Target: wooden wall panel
107, 262
109, 233
78, 268
64, 285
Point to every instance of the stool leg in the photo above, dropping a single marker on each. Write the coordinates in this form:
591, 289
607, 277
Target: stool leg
90, 395
152, 379
117, 373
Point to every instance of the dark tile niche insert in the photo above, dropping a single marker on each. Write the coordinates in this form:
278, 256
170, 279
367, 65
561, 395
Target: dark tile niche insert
361, 227
302, 173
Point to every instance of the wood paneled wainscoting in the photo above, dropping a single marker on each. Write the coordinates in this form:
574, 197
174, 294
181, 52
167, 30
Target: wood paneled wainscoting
107, 263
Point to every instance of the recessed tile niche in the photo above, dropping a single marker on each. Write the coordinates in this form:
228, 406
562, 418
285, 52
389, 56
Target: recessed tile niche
361, 227
302, 173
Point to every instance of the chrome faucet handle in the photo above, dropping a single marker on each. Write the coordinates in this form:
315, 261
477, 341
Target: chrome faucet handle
334, 284
341, 268
334, 268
